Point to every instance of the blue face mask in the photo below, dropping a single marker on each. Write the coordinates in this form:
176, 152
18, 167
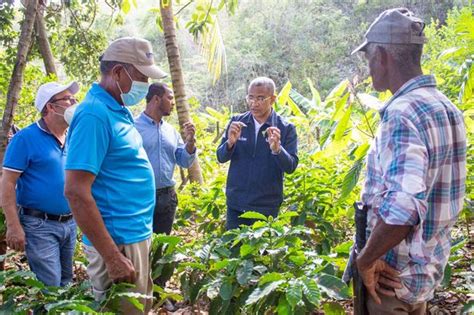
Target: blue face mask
137, 92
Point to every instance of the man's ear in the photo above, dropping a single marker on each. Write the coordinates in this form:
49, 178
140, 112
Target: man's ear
117, 72
46, 109
157, 99
384, 56
273, 98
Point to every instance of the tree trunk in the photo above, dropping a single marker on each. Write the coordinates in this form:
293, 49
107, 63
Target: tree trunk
177, 79
16, 80
43, 43
14, 88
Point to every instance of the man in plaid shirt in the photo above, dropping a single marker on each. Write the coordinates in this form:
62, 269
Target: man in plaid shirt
416, 169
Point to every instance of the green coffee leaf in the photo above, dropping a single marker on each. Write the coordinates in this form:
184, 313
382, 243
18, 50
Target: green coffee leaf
253, 215
244, 272
294, 293
259, 293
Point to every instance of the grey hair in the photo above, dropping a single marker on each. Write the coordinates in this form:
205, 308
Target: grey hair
264, 81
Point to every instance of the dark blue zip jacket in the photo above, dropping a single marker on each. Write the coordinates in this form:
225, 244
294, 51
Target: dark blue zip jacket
255, 179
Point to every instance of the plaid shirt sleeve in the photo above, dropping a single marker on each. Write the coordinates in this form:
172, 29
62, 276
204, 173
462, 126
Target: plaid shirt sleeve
404, 162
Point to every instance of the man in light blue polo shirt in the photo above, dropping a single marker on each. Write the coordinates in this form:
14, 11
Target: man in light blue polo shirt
37, 213
109, 179
165, 149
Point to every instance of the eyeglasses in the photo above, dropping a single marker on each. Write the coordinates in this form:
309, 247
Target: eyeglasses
258, 99
57, 105
70, 99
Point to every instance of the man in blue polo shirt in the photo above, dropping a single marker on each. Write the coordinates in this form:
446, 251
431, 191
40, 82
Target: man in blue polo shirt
38, 217
109, 179
261, 147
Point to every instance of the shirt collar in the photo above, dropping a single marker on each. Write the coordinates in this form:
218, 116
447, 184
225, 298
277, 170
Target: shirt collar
255, 122
106, 97
109, 101
272, 119
144, 116
410, 85
42, 125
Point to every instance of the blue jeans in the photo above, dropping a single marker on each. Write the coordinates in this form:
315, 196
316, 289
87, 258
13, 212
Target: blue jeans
50, 249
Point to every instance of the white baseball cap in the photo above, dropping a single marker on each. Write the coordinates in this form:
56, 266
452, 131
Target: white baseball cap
50, 89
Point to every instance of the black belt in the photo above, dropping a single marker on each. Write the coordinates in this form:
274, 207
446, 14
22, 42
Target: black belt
45, 216
165, 190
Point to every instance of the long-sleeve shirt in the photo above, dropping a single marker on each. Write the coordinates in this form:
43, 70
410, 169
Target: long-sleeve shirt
165, 148
255, 178
416, 171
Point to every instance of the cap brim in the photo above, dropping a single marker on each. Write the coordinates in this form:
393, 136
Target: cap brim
152, 72
360, 48
72, 87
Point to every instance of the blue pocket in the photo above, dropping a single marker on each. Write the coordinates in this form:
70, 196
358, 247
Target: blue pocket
31, 223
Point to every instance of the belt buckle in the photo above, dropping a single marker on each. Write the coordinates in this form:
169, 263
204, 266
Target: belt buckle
63, 218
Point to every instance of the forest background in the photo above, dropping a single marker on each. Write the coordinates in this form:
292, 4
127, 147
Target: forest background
304, 46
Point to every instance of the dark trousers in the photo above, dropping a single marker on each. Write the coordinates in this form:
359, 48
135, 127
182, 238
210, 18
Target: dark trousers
165, 209
163, 217
393, 306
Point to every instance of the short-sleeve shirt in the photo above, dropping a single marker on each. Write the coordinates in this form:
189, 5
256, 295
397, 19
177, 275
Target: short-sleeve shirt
39, 157
102, 140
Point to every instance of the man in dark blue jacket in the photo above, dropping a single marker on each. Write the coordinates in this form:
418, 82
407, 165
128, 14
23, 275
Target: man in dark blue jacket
260, 145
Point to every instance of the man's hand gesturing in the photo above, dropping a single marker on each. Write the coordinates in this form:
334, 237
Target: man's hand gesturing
234, 132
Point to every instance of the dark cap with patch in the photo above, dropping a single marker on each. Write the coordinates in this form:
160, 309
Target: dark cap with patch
394, 26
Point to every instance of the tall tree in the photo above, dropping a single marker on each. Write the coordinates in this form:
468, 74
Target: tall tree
43, 43
14, 88
177, 78
16, 81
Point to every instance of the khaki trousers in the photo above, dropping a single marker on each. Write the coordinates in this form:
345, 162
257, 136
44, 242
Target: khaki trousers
393, 306
138, 253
